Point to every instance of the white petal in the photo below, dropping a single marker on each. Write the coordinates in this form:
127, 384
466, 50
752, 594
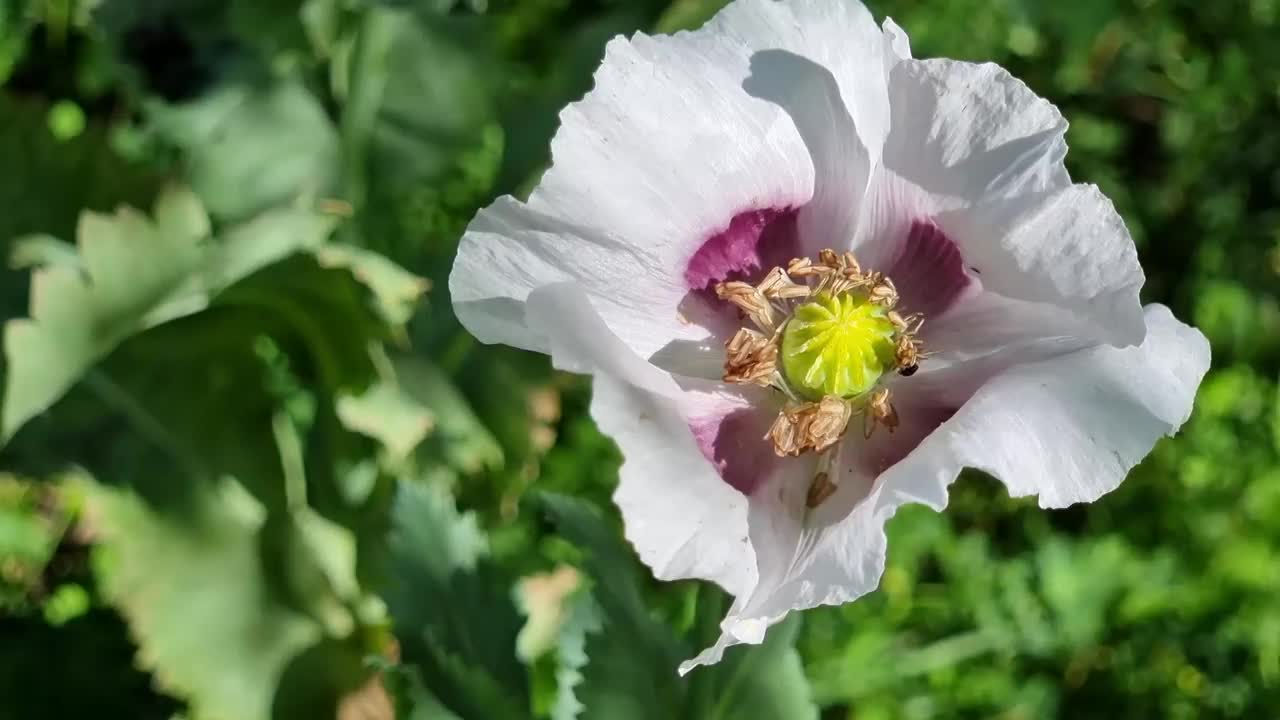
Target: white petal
976, 150
511, 249
668, 147
842, 161
828, 72
839, 35
1067, 429
834, 553
776, 521
1066, 247
666, 151
1008, 272
1041, 265
898, 236
659, 157
896, 41
682, 518
972, 132
988, 324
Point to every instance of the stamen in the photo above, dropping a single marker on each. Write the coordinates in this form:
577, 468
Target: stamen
804, 268
826, 333
810, 426
909, 325
879, 411
777, 285
884, 293
822, 487
907, 355
751, 358
750, 300
819, 490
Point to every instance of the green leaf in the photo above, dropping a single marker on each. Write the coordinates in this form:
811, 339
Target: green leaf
561, 613
135, 278
452, 611
16, 24
631, 658
417, 95
67, 603
131, 266
294, 338
213, 621
412, 699
261, 241
764, 681
506, 404
134, 273
545, 599
36, 250
384, 412
419, 101
687, 15
34, 518
631, 666
459, 438
396, 290
571, 654
249, 148
49, 182
215, 350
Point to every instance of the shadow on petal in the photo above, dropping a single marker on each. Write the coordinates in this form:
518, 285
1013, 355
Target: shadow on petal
809, 93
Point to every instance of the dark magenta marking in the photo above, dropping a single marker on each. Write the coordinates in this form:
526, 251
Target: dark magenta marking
754, 241
735, 444
929, 271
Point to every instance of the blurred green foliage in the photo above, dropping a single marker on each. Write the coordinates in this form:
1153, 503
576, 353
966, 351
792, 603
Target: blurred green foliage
258, 470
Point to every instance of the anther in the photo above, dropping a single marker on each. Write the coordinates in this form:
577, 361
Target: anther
910, 324
750, 300
879, 411
826, 331
884, 293
810, 426
751, 358
800, 267
778, 285
819, 490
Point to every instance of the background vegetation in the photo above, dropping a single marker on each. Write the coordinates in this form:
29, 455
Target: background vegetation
256, 469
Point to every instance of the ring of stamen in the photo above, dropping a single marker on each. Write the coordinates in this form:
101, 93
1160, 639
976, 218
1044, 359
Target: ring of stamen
825, 333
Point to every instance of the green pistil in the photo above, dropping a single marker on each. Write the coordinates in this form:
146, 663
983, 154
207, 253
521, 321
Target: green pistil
837, 345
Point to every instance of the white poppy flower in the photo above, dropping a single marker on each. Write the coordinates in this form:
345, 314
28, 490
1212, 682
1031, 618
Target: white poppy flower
776, 402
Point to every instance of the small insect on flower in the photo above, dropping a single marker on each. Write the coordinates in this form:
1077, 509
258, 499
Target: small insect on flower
907, 355
740, 238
